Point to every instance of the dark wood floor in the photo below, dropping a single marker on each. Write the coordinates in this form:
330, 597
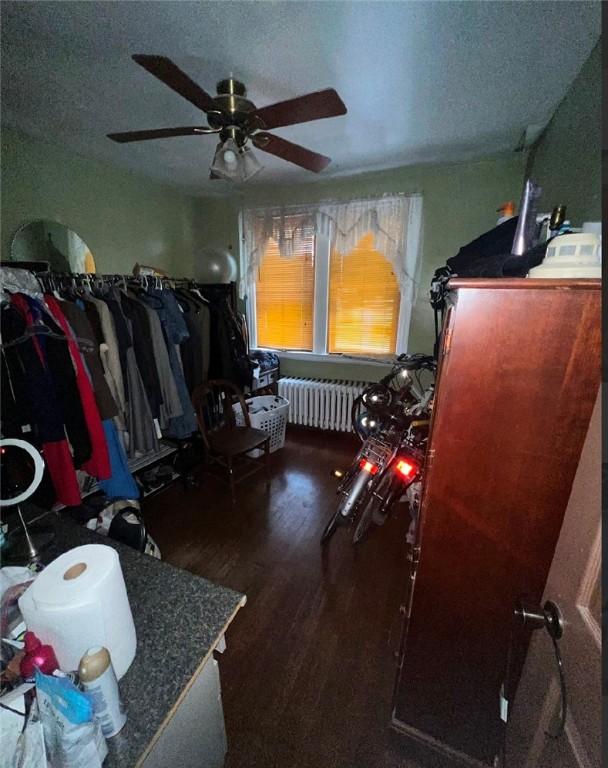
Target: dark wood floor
308, 672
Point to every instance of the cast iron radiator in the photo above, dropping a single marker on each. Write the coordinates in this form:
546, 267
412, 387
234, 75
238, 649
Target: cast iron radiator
320, 402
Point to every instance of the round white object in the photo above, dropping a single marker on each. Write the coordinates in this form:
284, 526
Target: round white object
38, 470
229, 157
216, 266
571, 256
80, 601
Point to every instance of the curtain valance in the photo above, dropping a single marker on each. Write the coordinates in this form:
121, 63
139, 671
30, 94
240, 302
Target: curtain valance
394, 221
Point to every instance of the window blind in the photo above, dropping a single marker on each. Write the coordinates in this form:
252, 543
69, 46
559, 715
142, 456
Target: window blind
364, 299
285, 290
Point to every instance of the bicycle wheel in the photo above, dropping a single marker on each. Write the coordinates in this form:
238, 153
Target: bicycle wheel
365, 518
330, 528
355, 417
355, 483
375, 508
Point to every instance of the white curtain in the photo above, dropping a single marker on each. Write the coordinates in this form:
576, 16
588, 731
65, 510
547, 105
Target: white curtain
291, 232
396, 223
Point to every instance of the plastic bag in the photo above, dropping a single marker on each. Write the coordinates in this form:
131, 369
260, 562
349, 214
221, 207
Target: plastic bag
72, 737
29, 751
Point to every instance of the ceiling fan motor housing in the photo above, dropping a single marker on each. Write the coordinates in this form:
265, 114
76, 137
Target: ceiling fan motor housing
233, 110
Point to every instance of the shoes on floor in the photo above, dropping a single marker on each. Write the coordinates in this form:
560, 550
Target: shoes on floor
154, 478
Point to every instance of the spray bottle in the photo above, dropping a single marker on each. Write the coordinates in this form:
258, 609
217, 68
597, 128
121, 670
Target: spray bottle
98, 679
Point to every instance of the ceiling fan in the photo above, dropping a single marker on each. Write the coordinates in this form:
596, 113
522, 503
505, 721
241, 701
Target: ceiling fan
238, 121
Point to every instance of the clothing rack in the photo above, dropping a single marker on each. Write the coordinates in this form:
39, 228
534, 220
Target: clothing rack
226, 345
211, 291
215, 290
83, 278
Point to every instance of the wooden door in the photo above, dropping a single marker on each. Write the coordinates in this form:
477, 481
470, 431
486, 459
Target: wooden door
574, 584
519, 376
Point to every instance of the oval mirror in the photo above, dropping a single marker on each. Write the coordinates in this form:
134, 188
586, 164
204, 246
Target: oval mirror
47, 240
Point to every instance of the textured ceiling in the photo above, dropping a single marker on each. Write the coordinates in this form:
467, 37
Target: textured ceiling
422, 81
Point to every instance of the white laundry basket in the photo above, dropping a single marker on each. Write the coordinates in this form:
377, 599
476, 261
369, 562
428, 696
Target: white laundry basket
268, 413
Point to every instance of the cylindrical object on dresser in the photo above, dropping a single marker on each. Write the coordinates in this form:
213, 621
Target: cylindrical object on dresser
80, 601
558, 217
98, 679
524, 234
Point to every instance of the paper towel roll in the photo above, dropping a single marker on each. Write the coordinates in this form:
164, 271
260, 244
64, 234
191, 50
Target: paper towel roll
79, 601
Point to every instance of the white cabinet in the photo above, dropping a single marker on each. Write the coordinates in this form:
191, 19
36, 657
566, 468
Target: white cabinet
194, 736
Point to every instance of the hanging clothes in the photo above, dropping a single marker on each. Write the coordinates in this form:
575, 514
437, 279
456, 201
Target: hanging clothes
229, 353
121, 484
171, 406
31, 406
198, 320
55, 357
123, 334
142, 435
190, 349
140, 424
175, 331
98, 465
79, 322
99, 316
140, 335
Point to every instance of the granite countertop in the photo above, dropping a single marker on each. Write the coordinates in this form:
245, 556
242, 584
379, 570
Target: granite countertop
179, 619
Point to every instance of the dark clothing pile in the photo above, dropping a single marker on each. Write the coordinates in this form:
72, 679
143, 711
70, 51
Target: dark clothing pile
490, 255
487, 256
266, 360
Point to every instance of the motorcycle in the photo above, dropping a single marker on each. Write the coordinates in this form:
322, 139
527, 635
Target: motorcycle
391, 418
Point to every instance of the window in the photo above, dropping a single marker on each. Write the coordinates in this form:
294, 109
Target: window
332, 280
284, 295
364, 301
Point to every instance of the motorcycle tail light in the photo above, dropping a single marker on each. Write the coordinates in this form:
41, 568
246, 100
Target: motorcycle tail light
367, 466
407, 468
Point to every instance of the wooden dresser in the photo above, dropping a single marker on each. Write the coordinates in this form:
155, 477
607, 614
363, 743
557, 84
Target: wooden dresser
518, 377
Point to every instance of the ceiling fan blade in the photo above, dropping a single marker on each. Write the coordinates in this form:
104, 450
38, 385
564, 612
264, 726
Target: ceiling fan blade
170, 74
159, 133
291, 152
313, 106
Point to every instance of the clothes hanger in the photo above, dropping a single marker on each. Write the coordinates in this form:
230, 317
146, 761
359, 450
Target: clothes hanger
38, 329
198, 294
54, 288
181, 302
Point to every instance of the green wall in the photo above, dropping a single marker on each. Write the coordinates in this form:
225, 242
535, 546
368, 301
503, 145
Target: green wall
566, 161
216, 221
459, 203
123, 218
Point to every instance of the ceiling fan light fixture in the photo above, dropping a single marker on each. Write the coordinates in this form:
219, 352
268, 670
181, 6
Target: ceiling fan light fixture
230, 158
234, 163
226, 160
249, 163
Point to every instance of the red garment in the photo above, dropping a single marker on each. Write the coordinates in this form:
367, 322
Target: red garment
99, 464
58, 458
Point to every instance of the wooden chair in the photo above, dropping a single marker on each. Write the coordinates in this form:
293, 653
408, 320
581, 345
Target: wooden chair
228, 444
